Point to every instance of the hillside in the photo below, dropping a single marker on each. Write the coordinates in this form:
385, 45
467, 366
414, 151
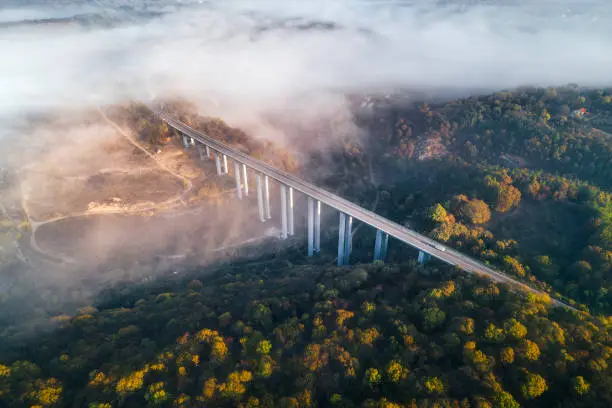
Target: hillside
310, 335
520, 179
506, 178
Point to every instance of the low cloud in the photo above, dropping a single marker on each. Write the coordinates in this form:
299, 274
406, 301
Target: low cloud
238, 56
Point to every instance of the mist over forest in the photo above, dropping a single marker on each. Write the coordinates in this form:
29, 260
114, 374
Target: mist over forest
132, 276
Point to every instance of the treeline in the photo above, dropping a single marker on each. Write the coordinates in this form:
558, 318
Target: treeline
304, 336
580, 274
144, 123
566, 130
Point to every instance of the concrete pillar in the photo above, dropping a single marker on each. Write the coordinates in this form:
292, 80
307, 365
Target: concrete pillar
317, 228
341, 237
238, 184
185, 142
380, 246
377, 245
245, 181
225, 168
191, 141
310, 226
291, 226
218, 164
283, 193
267, 197
384, 246
207, 151
423, 257
260, 202
348, 239
201, 151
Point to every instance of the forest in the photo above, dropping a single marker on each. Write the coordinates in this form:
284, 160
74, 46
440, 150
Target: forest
519, 179
304, 335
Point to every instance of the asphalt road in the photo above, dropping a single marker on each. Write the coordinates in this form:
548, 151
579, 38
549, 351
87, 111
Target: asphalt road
395, 230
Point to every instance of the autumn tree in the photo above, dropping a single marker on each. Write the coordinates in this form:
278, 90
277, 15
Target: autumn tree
533, 386
506, 356
515, 329
581, 387
529, 350
473, 211
438, 214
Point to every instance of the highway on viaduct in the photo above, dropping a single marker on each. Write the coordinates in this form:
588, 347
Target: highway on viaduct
393, 229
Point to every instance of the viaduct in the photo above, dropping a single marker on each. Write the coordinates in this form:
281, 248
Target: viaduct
316, 197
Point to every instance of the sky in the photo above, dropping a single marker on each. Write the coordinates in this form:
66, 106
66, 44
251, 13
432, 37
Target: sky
257, 54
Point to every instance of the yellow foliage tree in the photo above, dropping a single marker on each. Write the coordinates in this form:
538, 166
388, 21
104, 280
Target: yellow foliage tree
395, 372
343, 315
210, 386
45, 393
534, 386
507, 355
529, 350
131, 383
368, 336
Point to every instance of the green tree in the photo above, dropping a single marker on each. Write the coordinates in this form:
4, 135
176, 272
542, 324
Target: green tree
264, 347
504, 399
433, 317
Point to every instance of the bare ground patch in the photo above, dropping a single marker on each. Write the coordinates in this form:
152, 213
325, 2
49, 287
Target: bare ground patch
63, 196
114, 237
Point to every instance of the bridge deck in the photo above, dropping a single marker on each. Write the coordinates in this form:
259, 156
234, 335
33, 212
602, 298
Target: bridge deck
395, 230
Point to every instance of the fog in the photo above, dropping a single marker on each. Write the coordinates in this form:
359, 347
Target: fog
242, 61
257, 55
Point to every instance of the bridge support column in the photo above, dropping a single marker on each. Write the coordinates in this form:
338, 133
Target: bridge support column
384, 247
238, 184
207, 152
218, 164
225, 168
191, 141
423, 257
380, 246
245, 181
341, 237
345, 239
283, 193
260, 201
201, 151
267, 197
311, 227
291, 226
348, 239
185, 142
317, 227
